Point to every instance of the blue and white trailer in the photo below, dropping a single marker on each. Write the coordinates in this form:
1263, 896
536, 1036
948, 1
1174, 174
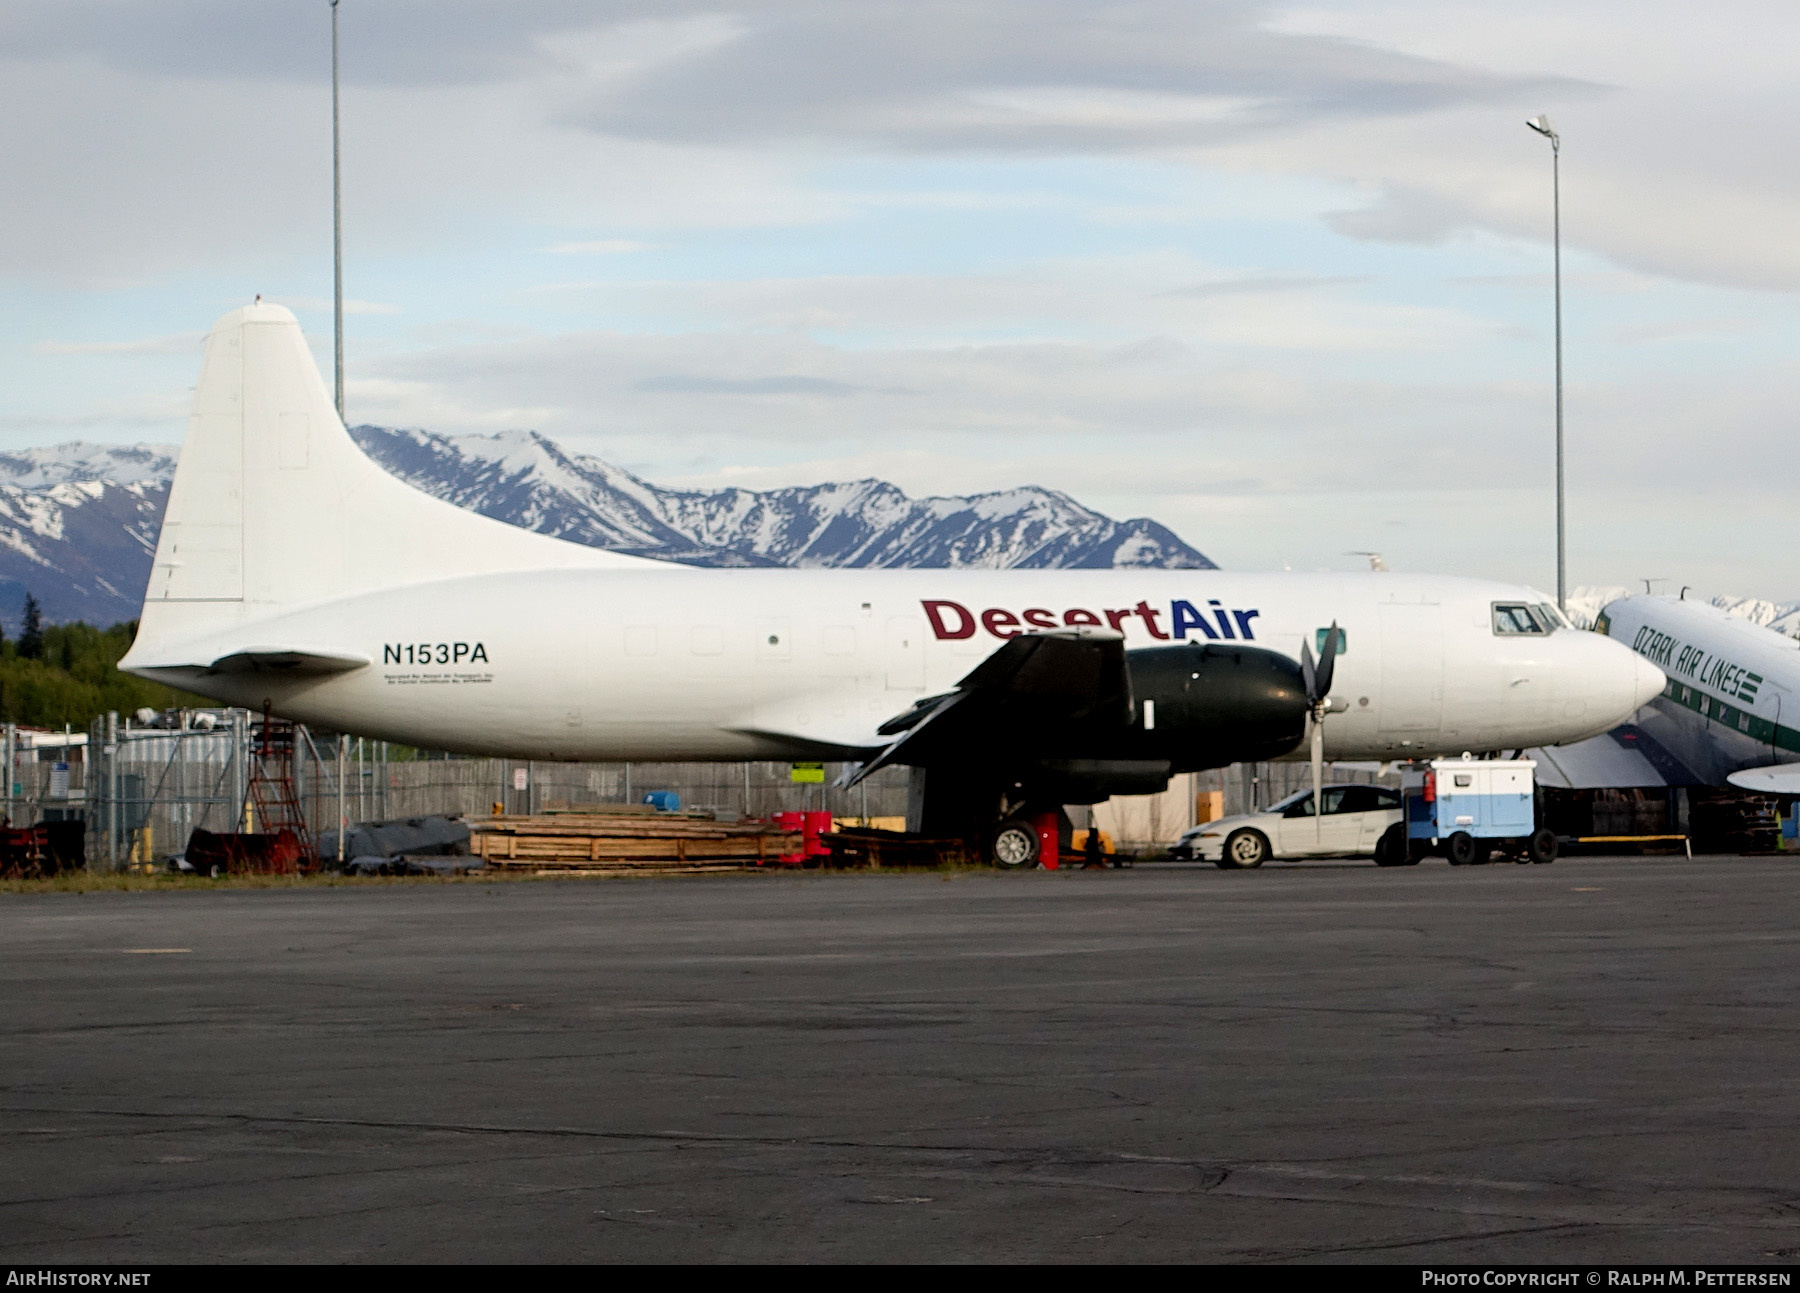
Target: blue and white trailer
1468, 809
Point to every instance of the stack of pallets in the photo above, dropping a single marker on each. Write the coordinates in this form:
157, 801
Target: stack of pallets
626, 842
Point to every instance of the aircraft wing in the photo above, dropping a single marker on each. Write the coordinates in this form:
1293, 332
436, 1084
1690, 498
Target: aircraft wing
1628, 756
1034, 681
1777, 779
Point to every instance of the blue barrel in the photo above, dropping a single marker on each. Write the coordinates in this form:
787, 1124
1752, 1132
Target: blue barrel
664, 801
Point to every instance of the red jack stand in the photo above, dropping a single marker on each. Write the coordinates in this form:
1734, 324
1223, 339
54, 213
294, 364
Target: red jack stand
1049, 835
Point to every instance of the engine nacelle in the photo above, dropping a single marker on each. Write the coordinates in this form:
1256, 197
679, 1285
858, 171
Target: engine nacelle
1208, 705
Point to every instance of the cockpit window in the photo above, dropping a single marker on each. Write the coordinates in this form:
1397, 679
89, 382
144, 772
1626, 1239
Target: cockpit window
1557, 619
1511, 618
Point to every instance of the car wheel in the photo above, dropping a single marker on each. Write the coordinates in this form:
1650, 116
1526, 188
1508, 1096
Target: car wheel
1460, 849
1543, 846
1013, 845
1391, 849
1243, 850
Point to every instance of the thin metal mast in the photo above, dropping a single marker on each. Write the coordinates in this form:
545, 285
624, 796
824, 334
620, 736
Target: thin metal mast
337, 221
1542, 125
1562, 565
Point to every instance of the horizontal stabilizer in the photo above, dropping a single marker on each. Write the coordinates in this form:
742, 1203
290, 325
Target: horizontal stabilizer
1778, 779
266, 659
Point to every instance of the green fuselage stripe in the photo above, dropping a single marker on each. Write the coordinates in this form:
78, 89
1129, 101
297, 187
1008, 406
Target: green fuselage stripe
1761, 730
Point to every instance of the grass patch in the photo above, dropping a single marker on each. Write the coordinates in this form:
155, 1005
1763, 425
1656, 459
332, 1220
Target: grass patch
79, 882
164, 882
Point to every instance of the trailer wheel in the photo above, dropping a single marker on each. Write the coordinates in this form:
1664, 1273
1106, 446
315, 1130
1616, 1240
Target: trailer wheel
1244, 849
1463, 849
1543, 846
1013, 845
1391, 849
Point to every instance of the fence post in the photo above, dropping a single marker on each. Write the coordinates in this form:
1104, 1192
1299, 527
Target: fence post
239, 779
111, 751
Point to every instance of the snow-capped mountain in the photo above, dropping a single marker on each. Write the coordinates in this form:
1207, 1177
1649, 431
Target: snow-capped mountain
78, 522
529, 480
1585, 605
78, 525
116, 464
1783, 617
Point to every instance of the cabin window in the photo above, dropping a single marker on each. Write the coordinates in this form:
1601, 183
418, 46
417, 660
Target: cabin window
707, 639
1515, 618
640, 639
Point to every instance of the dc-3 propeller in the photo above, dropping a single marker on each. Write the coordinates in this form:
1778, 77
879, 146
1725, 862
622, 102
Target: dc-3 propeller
1317, 678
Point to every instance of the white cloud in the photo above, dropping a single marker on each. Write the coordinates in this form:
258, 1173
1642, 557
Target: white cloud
1275, 274
178, 343
351, 305
600, 247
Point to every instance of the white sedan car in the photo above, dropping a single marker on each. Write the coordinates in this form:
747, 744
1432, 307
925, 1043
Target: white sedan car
1355, 818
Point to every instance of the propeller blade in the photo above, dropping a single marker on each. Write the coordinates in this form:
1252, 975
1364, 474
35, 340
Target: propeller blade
1327, 662
1318, 771
1307, 670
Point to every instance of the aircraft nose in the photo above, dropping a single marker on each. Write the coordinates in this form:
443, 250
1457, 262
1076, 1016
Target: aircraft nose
1649, 684
1617, 680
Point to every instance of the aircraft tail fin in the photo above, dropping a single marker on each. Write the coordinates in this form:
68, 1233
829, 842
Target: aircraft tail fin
274, 507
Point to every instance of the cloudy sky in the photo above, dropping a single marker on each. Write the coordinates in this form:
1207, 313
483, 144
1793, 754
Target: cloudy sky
1277, 275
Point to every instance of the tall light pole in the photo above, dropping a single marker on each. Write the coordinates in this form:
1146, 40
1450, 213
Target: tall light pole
337, 222
1541, 125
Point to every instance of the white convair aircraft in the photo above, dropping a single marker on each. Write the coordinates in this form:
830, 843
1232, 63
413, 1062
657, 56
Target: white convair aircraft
293, 572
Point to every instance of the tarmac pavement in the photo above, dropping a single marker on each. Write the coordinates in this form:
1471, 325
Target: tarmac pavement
1593, 1061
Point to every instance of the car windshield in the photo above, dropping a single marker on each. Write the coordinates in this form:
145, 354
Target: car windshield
1338, 799
1281, 804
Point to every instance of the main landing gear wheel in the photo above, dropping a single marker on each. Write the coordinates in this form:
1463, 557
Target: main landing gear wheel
1013, 845
1463, 849
1543, 846
1243, 850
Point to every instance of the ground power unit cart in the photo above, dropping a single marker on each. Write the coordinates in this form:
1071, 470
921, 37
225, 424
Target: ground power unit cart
1466, 810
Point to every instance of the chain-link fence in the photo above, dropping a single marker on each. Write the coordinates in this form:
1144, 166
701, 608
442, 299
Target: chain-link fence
141, 791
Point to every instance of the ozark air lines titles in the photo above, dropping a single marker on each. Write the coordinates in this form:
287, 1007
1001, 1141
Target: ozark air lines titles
952, 621
1696, 665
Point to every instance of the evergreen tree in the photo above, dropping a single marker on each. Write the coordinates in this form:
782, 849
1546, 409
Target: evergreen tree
75, 679
31, 632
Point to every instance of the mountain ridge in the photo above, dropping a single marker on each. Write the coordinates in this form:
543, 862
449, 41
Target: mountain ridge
526, 478
79, 521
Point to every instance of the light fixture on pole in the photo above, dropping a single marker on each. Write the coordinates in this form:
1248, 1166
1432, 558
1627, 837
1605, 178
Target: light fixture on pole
1541, 125
337, 223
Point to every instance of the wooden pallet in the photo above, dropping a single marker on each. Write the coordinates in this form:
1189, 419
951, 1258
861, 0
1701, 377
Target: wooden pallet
873, 847
567, 841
